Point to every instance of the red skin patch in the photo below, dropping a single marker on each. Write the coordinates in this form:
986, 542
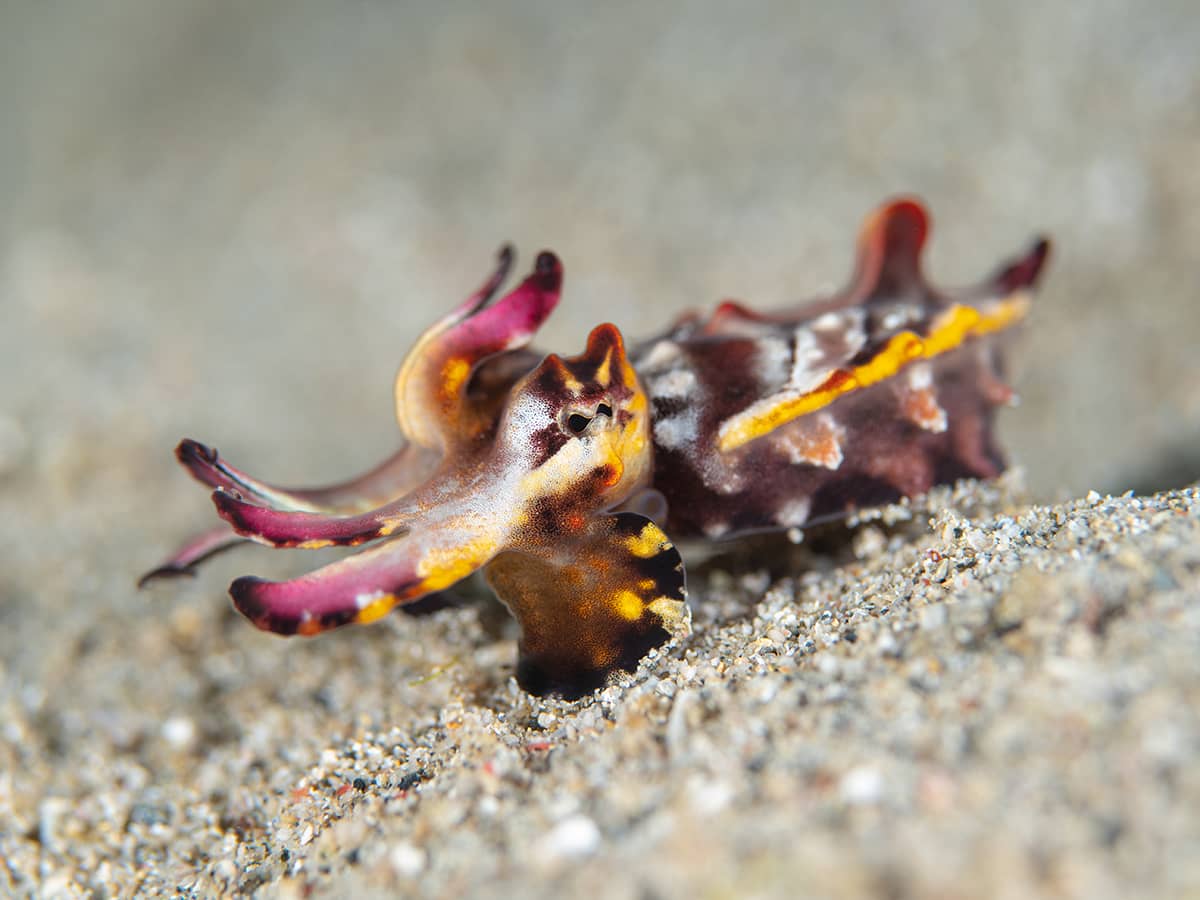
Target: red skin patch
920, 406
816, 440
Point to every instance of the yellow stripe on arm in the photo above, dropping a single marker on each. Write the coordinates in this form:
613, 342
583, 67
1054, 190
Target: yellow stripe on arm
950, 330
377, 609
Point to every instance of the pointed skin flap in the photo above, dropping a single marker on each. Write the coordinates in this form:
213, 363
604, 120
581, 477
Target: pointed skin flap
889, 251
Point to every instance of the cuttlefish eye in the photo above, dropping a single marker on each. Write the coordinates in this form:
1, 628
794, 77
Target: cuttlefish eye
580, 424
577, 422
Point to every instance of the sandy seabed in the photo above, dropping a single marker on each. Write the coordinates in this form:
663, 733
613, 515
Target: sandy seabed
974, 696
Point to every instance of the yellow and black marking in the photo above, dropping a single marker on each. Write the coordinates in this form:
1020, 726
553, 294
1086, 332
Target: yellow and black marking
949, 331
248, 599
621, 594
590, 373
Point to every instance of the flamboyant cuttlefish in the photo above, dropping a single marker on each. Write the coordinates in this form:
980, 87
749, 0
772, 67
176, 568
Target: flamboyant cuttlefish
553, 475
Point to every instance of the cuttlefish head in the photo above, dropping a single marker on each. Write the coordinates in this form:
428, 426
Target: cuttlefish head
594, 591
579, 427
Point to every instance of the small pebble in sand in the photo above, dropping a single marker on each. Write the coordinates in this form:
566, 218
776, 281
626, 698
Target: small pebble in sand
862, 786
407, 860
573, 838
179, 732
869, 541
708, 797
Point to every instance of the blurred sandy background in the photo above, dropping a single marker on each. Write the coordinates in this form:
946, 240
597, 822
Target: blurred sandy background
230, 220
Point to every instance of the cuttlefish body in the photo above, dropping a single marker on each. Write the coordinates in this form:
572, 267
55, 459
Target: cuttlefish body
547, 473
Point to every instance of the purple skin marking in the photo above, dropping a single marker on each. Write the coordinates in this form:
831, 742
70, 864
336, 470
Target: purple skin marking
311, 530
510, 322
191, 554
326, 598
398, 474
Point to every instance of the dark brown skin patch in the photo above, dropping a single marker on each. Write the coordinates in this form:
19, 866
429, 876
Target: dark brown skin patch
545, 442
1023, 272
575, 615
246, 602
203, 463
895, 238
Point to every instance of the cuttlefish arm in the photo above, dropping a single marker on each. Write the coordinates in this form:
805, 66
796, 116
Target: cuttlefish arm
431, 396
394, 477
312, 531
366, 586
592, 591
194, 551
432, 402
444, 415
471, 335
397, 475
